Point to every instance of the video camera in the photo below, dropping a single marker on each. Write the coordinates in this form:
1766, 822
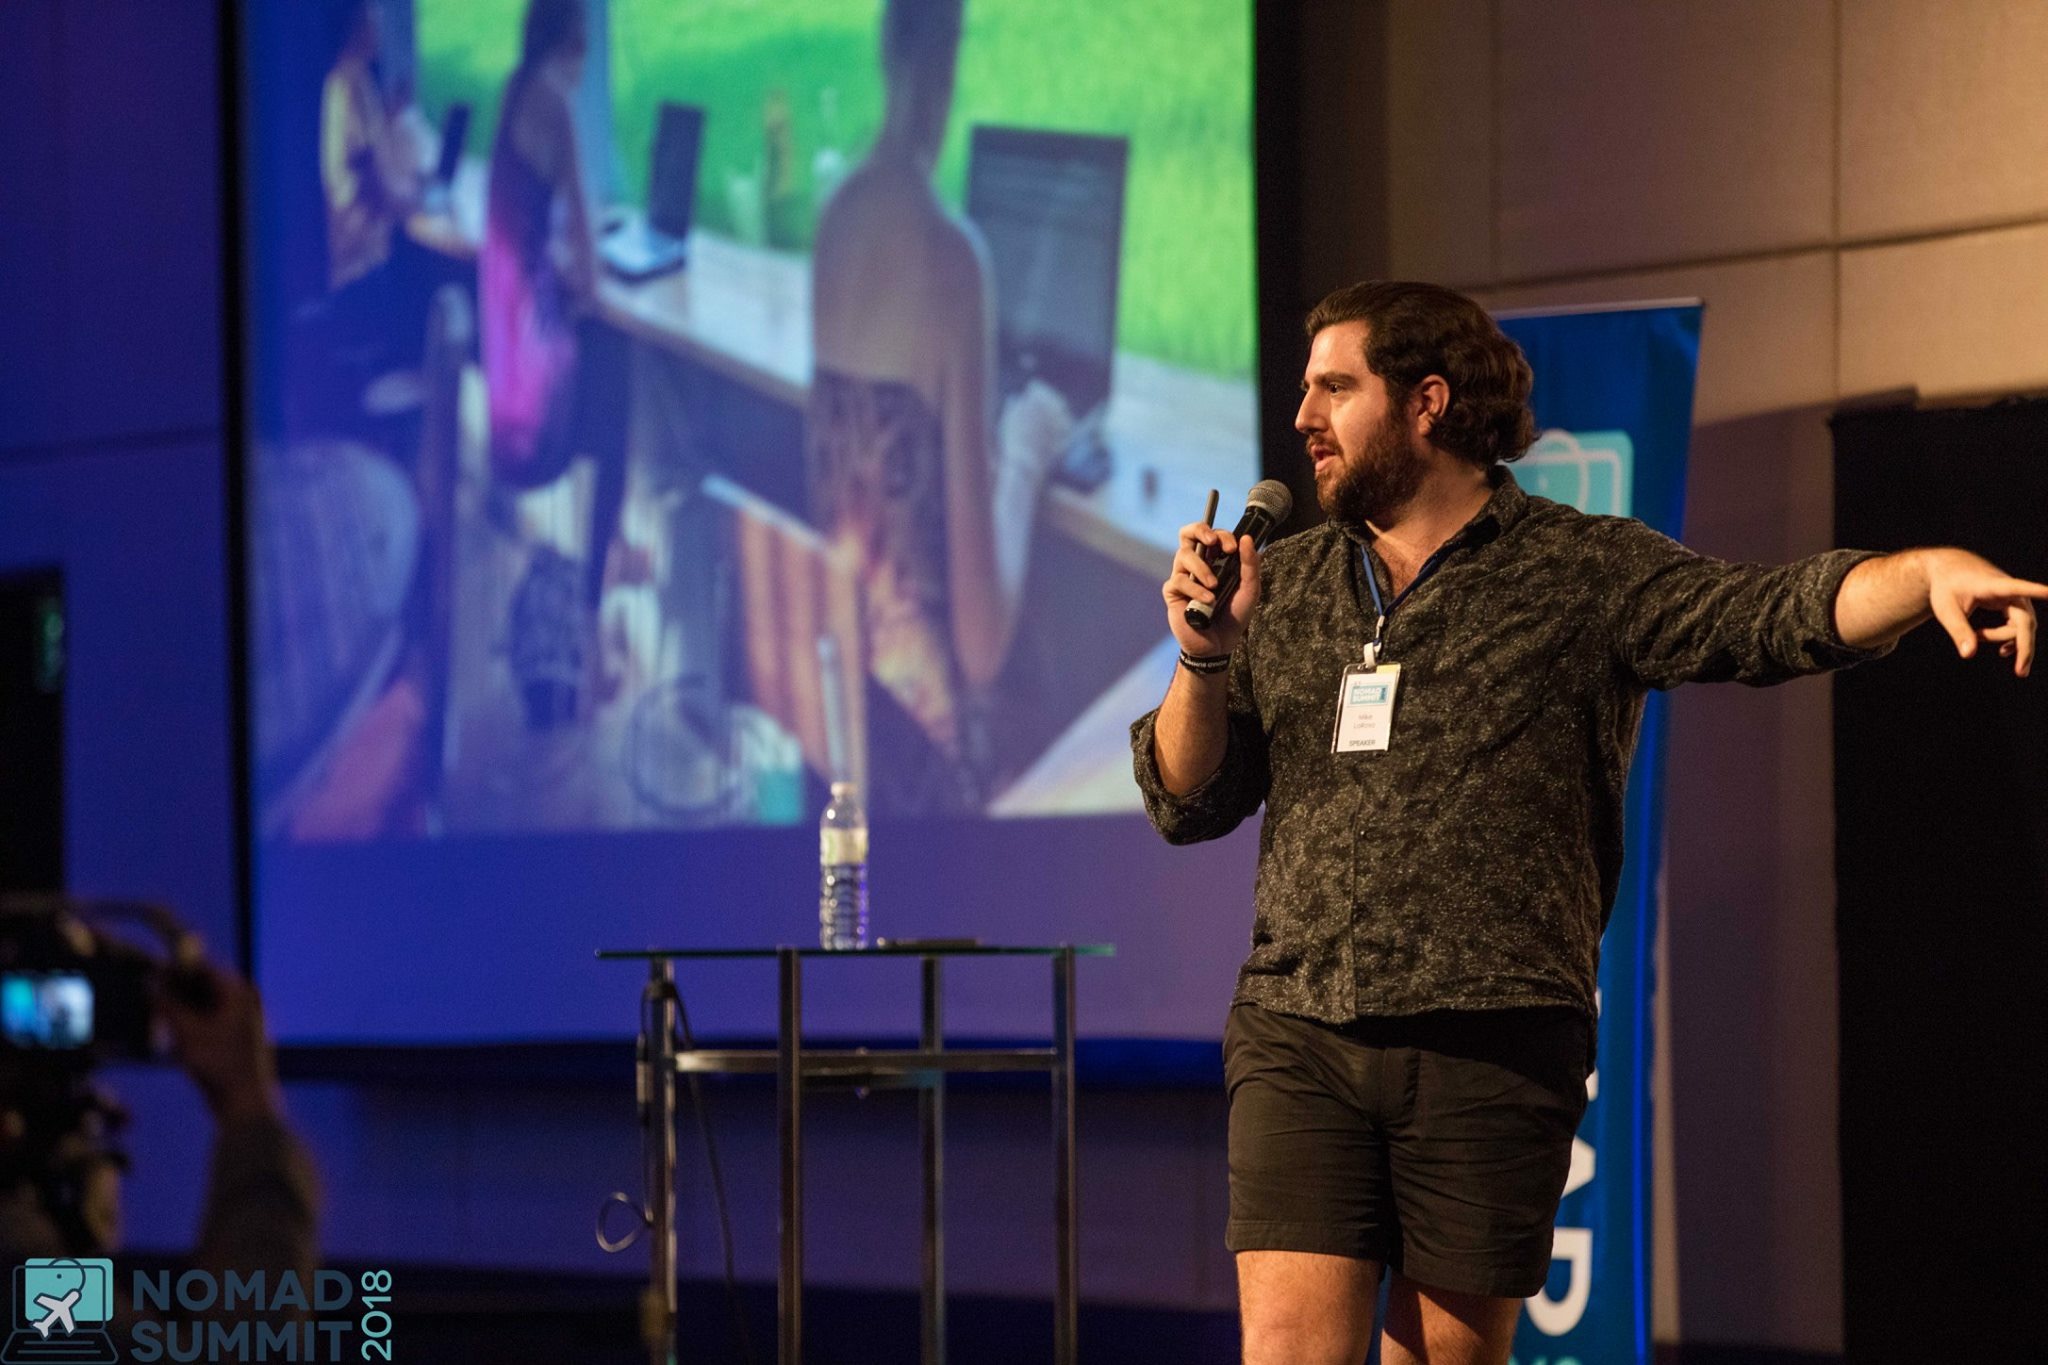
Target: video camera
72, 989
74, 992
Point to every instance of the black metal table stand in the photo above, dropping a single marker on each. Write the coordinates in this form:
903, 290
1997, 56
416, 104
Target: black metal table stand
656, 1075
797, 1068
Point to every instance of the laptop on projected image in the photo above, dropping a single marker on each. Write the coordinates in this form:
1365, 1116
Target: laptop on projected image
641, 246
1051, 207
440, 187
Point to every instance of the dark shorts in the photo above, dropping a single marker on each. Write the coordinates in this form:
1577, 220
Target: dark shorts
1435, 1144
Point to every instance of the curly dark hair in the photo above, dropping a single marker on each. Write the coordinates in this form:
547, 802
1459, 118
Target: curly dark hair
1417, 330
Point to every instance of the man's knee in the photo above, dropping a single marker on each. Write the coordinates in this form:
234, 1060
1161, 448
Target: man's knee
1446, 1327
1303, 1308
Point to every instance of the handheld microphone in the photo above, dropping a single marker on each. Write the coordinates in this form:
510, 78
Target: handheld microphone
1265, 507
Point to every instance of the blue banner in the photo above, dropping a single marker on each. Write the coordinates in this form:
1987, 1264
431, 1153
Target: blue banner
1613, 400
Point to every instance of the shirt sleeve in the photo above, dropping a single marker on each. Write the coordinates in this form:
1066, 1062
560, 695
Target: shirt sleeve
1685, 617
1228, 795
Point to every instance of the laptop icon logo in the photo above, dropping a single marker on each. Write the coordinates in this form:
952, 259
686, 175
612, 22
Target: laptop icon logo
61, 1308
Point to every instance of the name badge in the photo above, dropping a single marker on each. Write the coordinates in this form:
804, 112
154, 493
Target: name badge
1365, 708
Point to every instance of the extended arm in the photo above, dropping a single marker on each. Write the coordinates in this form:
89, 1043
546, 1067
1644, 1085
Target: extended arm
1882, 599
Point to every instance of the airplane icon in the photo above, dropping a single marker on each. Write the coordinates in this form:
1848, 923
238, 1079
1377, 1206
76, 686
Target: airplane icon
56, 1311
73, 1295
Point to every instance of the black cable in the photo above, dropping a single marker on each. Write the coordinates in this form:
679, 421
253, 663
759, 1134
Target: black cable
732, 1286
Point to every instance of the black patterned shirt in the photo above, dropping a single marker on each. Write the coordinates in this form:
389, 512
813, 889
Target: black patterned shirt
1472, 865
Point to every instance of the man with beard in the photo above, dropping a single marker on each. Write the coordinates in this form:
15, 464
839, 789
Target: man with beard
1436, 700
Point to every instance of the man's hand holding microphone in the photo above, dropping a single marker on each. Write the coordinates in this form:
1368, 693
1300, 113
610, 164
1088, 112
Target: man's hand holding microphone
1210, 596
1215, 580
1193, 580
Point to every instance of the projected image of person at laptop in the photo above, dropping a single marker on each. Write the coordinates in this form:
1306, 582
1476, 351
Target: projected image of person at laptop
905, 457
555, 373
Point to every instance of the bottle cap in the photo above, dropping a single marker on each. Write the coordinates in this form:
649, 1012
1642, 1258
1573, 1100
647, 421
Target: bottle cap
843, 787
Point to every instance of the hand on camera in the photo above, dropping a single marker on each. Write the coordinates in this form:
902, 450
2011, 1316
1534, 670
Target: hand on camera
1192, 580
218, 1036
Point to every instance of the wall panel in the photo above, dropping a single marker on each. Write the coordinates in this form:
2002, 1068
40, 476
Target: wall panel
1633, 134
1951, 316
1440, 167
1944, 114
1768, 339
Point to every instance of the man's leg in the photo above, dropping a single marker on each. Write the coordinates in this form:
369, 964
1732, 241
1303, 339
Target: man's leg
601, 428
1311, 1211
1479, 1163
1428, 1326
1304, 1308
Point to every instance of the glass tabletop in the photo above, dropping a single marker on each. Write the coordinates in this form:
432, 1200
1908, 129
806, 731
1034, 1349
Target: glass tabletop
936, 947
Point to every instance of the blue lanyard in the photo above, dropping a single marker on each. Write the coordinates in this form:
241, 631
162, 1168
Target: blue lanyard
1380, 608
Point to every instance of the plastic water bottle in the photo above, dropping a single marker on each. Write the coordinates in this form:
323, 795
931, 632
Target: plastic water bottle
843, 870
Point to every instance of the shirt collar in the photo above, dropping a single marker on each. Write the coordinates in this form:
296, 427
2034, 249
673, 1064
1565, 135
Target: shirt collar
1504, 508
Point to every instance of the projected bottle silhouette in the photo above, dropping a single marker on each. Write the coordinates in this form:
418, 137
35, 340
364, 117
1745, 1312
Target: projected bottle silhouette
843, 870
828, 163
783, 202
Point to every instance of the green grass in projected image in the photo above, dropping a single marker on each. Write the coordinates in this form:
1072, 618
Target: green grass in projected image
1174, 76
